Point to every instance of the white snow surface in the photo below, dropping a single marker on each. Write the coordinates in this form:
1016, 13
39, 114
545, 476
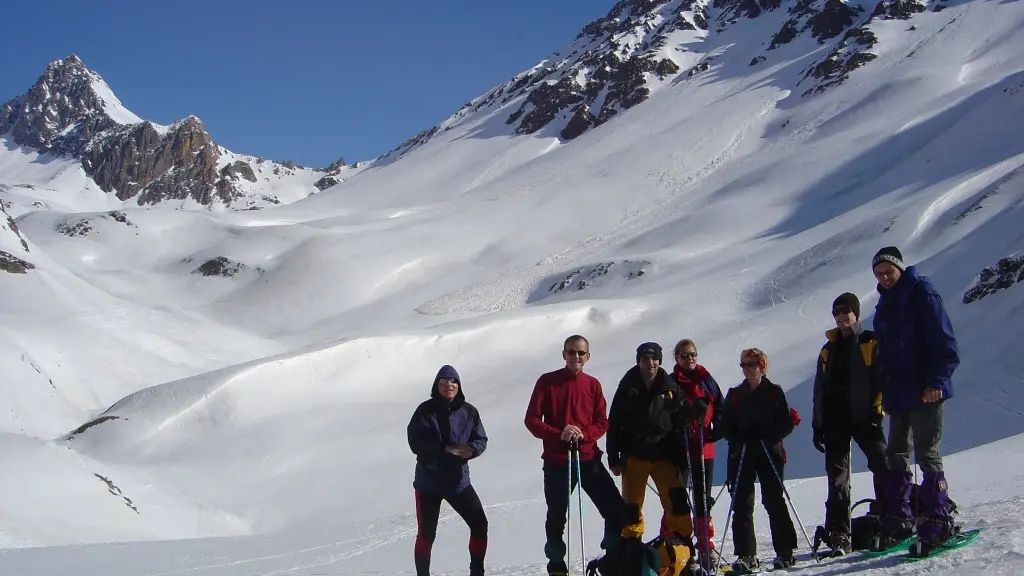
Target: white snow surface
111, 104
158, 421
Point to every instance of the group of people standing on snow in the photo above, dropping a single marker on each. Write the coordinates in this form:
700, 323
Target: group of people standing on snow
662, 425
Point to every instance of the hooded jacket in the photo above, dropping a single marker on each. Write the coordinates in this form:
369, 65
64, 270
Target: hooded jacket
436, 424
863, 390
916, 345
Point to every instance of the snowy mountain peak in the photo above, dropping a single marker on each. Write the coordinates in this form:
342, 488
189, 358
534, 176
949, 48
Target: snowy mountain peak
65, 97
71, 112
642, 46
614, 63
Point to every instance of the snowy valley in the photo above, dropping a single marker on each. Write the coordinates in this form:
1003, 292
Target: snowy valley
210, 359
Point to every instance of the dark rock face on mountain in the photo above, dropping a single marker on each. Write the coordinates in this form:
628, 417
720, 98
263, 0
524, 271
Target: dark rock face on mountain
136, 160
607, 69
13, 265
848, 55
616, 60
11, 242
224, 267
10, 227
71, 112
63, 98
326, 182
1007, 272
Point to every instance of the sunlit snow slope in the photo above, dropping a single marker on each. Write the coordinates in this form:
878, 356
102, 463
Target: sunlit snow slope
272, 396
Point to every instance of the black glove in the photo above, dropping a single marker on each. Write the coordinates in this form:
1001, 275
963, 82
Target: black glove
684, 414
819, 440
700, 408
877, 416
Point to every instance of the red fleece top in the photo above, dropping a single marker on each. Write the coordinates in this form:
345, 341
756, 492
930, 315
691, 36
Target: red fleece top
561, 398
695, 389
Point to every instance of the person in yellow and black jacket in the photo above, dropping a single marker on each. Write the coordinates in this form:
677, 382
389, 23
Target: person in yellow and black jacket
755, 419
647, 419
848, 406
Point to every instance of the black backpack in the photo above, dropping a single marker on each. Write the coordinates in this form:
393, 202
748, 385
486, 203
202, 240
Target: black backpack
865, 528
632, 557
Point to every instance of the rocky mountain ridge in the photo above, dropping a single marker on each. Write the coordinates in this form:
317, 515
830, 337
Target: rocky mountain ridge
616, 61
71, 112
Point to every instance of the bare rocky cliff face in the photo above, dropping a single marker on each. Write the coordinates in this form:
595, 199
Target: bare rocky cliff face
71, 112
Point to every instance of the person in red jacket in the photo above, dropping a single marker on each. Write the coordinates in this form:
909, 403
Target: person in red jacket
704, 393
568, 405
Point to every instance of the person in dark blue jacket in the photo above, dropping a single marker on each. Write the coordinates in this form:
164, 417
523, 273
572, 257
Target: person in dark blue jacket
445, 432
917, 354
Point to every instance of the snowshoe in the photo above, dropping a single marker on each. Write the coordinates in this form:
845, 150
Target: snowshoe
922, 549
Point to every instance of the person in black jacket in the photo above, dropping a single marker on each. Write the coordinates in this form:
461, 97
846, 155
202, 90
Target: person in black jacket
755, 420
645, 440
848, 405
445, 432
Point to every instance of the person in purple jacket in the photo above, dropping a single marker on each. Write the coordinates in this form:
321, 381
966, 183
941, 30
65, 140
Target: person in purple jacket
445, 432
917, 354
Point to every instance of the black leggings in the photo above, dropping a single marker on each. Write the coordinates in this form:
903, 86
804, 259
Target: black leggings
467, 505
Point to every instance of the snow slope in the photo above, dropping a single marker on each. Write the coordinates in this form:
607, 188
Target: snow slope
267, 401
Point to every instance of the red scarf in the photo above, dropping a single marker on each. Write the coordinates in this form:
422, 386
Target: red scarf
693, 389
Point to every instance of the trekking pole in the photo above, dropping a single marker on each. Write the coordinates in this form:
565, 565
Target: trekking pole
568, 516
579, 499
850, 476
689, 469
705, 489
653, 489
814, 553
728, 514
720, 490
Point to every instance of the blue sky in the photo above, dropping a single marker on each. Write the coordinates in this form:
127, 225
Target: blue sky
298, 80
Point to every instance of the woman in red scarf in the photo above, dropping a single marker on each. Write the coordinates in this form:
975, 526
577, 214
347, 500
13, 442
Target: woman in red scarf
703, 391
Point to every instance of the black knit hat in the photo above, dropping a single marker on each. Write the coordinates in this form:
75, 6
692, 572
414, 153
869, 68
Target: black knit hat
890, 254
850, 301
648, 349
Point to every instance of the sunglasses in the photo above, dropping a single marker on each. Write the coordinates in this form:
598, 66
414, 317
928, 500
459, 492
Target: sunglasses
580, 353
687, 354
839, 310
447, 381
750, 364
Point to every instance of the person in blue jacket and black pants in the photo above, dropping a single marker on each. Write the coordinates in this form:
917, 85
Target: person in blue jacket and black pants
445, 432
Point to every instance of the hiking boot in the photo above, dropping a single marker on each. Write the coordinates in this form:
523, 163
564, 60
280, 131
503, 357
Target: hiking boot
892, 534
839, 542
781, 562
746, 564
709, 562
557, 568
